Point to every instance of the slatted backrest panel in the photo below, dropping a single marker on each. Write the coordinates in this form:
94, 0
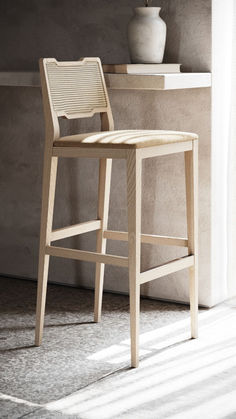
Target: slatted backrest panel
76, 89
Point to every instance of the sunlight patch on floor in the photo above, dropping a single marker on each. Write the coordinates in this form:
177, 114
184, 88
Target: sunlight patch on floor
182, 379
158, 338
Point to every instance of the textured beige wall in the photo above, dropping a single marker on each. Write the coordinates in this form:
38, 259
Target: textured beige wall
189, 42
70, 29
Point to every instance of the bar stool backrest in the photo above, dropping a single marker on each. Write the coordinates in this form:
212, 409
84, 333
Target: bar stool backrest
74, 89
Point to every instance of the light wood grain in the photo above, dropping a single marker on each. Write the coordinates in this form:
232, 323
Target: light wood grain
48, 195
147, 238
76, 229
166, 149
134, 169
191, 170
168, 268
104, 184
90, 152
67, 93
103, 209
86, 256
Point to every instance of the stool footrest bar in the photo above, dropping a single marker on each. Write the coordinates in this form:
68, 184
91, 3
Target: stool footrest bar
168, 268
76, 229
147, 238
86, 256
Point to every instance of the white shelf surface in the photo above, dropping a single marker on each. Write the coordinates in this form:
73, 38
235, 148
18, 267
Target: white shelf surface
122, 81
158, 81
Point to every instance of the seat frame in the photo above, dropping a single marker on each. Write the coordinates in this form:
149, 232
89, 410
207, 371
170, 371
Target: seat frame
134, 237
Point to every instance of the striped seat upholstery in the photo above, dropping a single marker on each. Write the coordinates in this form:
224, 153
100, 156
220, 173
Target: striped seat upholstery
125, 139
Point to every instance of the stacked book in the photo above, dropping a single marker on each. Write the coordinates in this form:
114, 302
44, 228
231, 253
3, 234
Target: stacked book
141, 68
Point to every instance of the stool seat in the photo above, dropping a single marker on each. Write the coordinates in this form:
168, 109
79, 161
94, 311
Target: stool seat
125, 139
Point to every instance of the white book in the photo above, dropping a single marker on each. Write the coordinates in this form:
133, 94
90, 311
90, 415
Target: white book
141, 68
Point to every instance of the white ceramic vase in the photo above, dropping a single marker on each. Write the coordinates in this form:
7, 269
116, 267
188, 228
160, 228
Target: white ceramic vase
146, 36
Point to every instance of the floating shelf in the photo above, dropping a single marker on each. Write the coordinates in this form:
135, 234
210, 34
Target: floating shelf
158, 81
122, 81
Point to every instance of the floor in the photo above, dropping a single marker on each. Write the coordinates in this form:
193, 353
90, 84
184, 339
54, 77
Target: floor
82, 369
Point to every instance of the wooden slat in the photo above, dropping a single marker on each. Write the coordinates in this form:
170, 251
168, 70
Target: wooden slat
147, 238
165, 149
74, 230
92, 151
164, 240
168, 268
86, 256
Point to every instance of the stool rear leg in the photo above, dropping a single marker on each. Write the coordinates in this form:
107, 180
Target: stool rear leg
134, 166
48, 195
105, 167
191, 175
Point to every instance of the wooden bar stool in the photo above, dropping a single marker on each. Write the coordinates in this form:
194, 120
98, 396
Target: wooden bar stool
76, 90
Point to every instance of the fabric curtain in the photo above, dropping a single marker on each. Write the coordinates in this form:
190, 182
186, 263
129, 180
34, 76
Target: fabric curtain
231, 184
223, 151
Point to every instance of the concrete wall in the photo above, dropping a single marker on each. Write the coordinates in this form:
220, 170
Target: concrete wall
68, 30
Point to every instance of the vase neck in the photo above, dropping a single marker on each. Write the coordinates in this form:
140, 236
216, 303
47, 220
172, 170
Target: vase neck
147, 11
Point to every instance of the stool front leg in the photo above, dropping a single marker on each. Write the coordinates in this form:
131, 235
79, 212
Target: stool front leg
134, 169
105, 167
191, 175
48, 195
